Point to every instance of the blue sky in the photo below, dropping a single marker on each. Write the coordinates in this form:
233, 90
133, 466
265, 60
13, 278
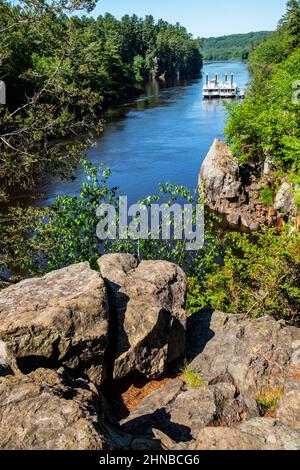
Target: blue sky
204, 17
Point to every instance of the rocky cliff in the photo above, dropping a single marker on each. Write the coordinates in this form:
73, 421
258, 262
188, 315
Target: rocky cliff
68, 337
236, 191
66, 334
248, 396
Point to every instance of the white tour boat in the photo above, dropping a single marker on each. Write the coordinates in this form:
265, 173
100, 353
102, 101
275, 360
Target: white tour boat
216, 89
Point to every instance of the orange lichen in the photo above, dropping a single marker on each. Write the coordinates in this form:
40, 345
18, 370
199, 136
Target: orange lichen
135, 394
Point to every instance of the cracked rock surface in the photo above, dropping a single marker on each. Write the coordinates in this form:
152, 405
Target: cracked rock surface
148, 301
59, 319
241, 362
47, 410
66, 336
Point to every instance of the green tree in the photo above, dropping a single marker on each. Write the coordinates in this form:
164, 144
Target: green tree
61, 70
291, 21
267, 123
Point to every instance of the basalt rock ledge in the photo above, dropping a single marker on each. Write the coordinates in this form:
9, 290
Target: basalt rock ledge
69, 337
235, 191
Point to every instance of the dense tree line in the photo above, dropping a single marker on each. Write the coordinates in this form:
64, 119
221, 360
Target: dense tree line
232, 47
267, 123
61, 69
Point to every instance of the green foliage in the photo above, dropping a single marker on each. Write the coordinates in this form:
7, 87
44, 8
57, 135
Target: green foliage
195, 300
266, 197
259, 276
192, 378
17, 252
232, 47
138, 68
41, 240
291, 22
294, 179
61, 70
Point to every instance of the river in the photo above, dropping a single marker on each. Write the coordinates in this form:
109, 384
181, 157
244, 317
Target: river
162, 136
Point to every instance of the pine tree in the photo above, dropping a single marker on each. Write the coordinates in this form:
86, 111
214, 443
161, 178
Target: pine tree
291, 20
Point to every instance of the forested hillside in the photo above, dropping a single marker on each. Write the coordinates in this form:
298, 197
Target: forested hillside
60, 71
267, 124
264, 133
232, 47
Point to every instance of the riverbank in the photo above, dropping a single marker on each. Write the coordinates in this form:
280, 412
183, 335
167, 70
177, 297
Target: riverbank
163, 136
80, 64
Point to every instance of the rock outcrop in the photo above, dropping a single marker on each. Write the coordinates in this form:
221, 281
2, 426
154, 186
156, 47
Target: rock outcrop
148, 301
256, 434
234, 191
249, 397
58, 320
180, 411
59, 336
254, 355
284, 201
67, 337
220, 177
44, 410
47, 410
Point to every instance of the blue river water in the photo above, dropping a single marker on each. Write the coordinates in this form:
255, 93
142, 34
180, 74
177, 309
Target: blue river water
163, 136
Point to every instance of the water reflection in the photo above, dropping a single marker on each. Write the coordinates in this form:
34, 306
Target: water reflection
212, 106
162, 136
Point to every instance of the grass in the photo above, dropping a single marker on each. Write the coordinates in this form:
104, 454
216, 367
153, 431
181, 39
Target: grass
268, 401
192, 378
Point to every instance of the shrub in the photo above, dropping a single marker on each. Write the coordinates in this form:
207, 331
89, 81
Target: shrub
266, 197
41, 240
258, 276
195, 300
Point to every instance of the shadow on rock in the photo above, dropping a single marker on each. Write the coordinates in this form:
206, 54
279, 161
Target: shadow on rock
198, 333
161, 420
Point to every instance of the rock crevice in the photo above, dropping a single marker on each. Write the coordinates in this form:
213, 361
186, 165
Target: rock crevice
149, 303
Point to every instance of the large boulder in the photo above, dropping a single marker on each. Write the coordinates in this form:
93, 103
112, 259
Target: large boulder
47, 410
248, 397
59, 319
44, 410
260, 357
147, 302
219, 175
234, 190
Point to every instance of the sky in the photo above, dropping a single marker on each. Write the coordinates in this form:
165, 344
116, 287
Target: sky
203, 18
